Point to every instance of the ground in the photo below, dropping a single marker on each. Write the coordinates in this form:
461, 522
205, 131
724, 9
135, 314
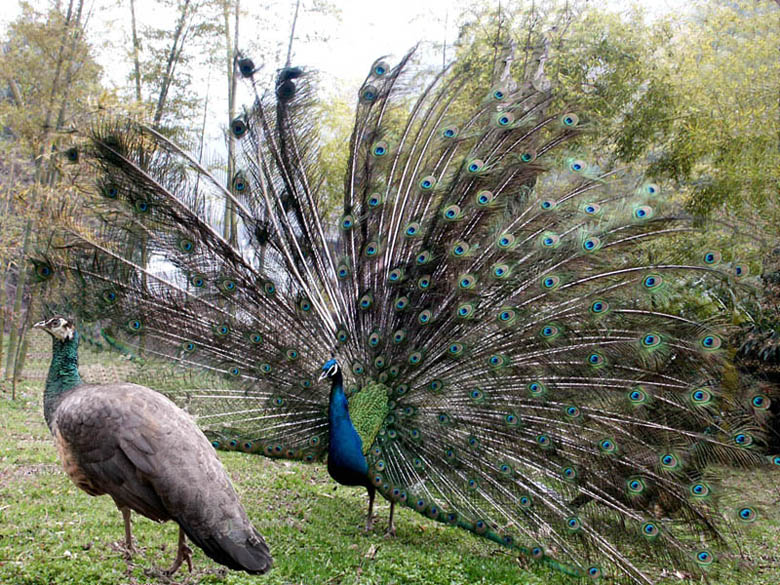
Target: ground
51, 533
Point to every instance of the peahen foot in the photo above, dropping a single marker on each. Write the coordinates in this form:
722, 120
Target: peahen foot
184, 553
128, 549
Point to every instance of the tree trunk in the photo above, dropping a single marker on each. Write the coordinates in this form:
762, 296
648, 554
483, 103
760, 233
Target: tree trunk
229, 227
136, 51
17, 311
179, 35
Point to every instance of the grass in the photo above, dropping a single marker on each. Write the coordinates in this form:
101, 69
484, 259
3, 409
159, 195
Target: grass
51, 533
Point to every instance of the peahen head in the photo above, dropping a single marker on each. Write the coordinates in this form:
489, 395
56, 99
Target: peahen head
59, 328
330, 369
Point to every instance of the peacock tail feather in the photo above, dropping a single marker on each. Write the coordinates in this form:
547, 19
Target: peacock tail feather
504, 319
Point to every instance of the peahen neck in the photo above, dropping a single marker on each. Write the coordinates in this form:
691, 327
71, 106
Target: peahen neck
346, 461
63, 373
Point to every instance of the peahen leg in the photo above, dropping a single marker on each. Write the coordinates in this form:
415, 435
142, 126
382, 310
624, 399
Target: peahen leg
130, 550
184, 553
370, 518
390, 525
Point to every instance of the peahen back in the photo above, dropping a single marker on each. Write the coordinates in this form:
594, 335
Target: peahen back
502, 305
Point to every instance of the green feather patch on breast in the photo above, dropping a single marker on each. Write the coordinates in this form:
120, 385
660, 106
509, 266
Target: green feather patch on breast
368, 409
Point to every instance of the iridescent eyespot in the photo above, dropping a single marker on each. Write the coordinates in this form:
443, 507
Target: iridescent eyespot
234, 371
371, 250
412, 229
740, 270
547, 205
652, 281
551, 282
423, 258
358, 369
135, 325
227, 285
476, 395
292, 354
525, 501
375, 200
501, 270
483, 198
712, 258
499, 94
504, 119
401, 303
650, 530
573, 411
743, 439
573, 524
704, 557
591, 208
475, 166
451, 213
365, 301
550, 240
643, 212
380, 148
424, 317
110, 191
760, 402
505, 241
399, 336
141, 206
427, 183
449, 132
651, 340
436, 385
415, 358
380, 68
578, 166
460, 248
347, 222
269, 288
507, 316
570, 120
527, 157
591, 244
255, 338
424, 282
368, 93
701, 396
186, 246
608, 446
238, 127
396, 275
651, 189
635, 485
699, 490
596, 359
669, 461
222, 330
265, 368
711, 342
239, 182
637, 396
342, 271
594, 572
747, 514
342, 335
304, 305
455, 349
569, 473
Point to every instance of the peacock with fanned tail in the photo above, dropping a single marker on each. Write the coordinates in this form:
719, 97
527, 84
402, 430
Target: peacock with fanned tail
501, 354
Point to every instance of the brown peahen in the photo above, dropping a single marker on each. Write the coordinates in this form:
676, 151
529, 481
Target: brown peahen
138, 447
495, 315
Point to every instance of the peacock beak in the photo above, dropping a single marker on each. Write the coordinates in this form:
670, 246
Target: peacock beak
323, 375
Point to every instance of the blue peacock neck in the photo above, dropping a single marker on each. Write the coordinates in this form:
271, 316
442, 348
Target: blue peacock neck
345, 449
63, 373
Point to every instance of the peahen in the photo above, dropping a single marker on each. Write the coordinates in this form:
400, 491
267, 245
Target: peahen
138, 447
494, 314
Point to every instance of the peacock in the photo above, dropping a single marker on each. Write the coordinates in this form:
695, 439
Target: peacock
138, 447
486, 330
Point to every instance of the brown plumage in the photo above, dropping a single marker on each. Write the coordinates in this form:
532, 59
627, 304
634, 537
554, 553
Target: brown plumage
137, 446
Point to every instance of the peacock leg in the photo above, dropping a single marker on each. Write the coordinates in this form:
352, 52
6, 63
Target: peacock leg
390, 525
130, 550
370, 518
184, 553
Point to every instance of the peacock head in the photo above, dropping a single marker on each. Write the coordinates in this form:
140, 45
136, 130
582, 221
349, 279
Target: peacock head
58, 327
330, 369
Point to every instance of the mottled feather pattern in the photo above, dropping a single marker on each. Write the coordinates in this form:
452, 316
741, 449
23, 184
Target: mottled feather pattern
542, 389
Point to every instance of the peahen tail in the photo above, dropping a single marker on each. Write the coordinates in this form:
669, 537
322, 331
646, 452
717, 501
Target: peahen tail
512, 306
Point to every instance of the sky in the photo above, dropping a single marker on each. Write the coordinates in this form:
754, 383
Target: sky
362, 31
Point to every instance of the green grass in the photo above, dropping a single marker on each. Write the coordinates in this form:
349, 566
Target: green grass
51, 533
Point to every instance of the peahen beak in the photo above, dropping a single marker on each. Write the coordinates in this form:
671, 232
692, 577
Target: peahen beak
40, 324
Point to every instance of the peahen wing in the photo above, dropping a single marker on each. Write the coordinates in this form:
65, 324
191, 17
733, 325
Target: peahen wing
546, 391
